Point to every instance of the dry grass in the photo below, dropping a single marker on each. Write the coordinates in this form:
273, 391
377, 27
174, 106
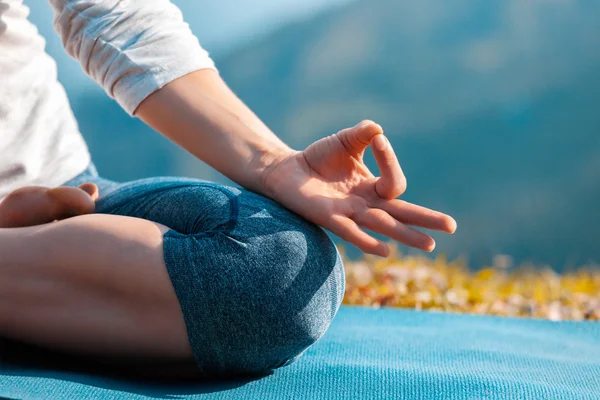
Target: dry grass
443, 285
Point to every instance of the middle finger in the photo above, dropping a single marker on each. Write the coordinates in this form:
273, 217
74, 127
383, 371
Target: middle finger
412, 214
379, 221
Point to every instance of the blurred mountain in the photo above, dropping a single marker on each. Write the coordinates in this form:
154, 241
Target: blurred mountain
221, 27
492, 107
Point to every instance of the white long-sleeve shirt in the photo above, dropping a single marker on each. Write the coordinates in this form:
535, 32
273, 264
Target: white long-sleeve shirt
129, 47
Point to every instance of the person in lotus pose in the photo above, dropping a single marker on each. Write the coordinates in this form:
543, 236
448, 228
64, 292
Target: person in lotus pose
238, 279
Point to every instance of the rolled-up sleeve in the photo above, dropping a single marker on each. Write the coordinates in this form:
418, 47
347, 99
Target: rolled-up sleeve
130, 47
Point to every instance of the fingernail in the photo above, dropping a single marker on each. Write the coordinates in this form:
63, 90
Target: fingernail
431, 248
453, 227
380, 142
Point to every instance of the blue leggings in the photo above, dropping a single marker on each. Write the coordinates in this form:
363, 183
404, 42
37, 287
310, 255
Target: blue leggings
257, 284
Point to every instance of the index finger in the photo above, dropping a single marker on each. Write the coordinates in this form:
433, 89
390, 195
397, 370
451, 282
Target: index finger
392, 182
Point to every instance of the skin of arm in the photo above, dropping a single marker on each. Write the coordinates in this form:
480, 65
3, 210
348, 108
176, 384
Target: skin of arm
133, 48
327, 183
201, 114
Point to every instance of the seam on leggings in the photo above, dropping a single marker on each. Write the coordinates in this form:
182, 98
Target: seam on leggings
140, 195
233, 206
333, 294
177, 277
334, 286
233, 211
134, 197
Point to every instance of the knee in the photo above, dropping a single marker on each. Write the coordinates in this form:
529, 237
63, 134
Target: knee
308, 296
284, 283
322, 279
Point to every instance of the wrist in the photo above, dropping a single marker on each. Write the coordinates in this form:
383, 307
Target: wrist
266, 163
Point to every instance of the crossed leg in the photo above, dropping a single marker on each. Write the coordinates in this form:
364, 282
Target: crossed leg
92, 284
258, 284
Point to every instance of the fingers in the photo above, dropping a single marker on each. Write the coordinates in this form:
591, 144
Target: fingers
412, 214
391, 221
392, 182
348, 230
379, 221
358, 138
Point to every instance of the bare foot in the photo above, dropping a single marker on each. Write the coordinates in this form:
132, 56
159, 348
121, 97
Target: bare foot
36, 205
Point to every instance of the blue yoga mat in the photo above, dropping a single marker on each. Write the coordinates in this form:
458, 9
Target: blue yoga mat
372, 354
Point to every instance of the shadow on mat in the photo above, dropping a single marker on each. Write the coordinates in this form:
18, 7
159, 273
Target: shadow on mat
151, 378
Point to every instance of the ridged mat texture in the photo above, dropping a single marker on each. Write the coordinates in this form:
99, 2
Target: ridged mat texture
378, 354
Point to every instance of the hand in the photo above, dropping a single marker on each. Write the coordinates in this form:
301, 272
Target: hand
330, 185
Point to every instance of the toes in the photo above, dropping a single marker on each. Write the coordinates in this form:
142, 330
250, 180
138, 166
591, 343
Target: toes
25, 207
91, 189
72, 201
36, 205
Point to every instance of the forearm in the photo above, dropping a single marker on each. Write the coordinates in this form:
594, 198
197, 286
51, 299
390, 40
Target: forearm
200, 113
143, 52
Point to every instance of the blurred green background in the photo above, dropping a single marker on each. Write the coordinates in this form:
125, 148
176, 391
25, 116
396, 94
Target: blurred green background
493, 107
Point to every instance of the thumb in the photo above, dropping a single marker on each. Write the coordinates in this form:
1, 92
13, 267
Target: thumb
358, 138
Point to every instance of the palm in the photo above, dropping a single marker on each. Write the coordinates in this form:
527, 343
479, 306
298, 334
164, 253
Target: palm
329, 184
